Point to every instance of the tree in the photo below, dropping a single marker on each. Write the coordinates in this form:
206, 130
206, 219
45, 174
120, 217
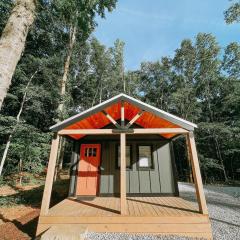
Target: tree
155, 82
32, 97
230, 106
96, 74
100, 61
183, 99
118, 77
12, 41
24, 99
232, 14
78, 20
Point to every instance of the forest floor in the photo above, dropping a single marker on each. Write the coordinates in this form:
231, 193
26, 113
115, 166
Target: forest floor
19, 210
20, 207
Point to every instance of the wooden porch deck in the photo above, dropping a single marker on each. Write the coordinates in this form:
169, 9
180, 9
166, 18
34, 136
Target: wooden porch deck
156, 215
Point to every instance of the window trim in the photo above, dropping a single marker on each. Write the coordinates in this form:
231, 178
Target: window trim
131, 157
152, 167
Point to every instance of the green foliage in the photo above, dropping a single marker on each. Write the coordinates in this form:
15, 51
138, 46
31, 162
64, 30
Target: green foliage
30, 145
5, 8
82, 12
199, 83
97, 75
233, 13
155, 82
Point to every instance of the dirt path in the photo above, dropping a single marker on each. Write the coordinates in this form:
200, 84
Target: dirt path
22, 226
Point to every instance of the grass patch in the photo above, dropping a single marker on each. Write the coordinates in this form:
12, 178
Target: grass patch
33, 197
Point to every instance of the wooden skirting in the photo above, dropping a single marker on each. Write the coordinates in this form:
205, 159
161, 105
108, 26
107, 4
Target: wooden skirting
122, 220
153, 215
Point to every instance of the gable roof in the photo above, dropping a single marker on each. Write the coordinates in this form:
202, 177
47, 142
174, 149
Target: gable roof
176, 121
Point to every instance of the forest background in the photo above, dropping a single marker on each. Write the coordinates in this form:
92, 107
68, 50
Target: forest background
64, 70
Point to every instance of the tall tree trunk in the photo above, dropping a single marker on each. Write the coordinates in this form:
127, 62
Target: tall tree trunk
13, 41
123, 79
72, 39
101, 88
95, 96
221, 159
24, 99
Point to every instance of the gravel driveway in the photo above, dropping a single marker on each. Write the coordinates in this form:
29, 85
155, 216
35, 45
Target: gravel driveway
224, 209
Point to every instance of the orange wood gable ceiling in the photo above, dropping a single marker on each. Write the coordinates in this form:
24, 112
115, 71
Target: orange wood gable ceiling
99, 120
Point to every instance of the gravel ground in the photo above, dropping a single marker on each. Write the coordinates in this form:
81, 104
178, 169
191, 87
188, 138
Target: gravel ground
224, 210
223, 206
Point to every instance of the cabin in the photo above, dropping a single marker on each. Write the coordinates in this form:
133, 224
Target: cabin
123, 176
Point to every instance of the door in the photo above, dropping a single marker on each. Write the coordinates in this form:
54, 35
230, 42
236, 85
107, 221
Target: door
88, 170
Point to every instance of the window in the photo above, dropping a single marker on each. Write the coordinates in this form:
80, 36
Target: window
90, 152
94, 152
145, 157
128, 156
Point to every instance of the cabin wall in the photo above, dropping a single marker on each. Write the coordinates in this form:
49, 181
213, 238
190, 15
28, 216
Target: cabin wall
159, 180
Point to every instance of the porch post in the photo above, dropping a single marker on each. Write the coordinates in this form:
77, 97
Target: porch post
123, 201
50, 174
123, 204
196, 174
189, 161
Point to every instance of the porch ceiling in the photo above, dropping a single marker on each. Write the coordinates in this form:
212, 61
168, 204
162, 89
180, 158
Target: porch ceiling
99, 120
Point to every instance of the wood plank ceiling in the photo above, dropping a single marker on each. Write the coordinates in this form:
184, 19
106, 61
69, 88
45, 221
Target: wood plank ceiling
99, 120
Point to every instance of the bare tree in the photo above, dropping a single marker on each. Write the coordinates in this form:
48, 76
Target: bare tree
24, 99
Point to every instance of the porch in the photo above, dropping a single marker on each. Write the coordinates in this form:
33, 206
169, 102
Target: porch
158, 215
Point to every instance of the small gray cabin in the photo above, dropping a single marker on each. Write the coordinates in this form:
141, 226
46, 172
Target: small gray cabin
123, 173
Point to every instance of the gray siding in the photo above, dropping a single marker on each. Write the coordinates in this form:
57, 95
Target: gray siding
157, 180
160, 179
73, 168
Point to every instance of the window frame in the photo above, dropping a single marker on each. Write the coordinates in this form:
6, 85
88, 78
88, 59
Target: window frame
152, 167
131, 157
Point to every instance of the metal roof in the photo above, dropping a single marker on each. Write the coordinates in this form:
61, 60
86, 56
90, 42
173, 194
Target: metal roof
132, 101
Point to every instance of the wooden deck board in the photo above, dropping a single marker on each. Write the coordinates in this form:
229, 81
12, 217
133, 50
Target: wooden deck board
137, 206
156, 215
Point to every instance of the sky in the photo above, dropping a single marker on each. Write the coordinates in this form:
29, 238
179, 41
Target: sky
152, 29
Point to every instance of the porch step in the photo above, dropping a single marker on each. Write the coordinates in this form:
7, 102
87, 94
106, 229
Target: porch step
65, 231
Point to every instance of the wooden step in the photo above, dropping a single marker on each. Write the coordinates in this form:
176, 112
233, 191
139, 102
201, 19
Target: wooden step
64, 231
59, 231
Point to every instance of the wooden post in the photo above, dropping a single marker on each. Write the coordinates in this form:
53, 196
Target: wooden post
122, 114
197, 174
123, 203
189, 161
50, 174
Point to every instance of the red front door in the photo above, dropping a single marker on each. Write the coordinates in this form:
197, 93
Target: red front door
88, 170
